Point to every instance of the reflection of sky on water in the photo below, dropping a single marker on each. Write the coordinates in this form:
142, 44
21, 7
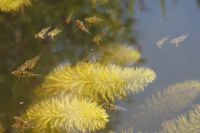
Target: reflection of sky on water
172, 64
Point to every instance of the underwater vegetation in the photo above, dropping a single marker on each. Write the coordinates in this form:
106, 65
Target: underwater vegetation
167, 104
189, 123
113, 54
63, 113
13, 5
35, 31
96, 81
84, 85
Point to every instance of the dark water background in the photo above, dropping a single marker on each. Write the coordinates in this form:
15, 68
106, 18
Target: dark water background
139, 23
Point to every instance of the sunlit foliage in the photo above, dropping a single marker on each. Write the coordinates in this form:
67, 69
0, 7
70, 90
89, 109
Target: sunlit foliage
167, 104
66, 114
13, 5
96, 81
189, 123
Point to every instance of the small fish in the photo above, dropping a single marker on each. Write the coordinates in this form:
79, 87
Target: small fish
81, 26
23, 74
42, 33
21, 102
69, 18
93, 20
161, 42
29, 64
98, 38
113, 107
54, 32
178, 40
21, 123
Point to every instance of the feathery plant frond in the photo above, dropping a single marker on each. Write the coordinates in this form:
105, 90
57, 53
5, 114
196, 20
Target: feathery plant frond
13, 5
119, 54
166, 105
185, 123
96, 81
63, 113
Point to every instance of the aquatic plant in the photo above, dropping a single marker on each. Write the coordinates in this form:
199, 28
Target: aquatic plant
167, 104
63, 113
96, 81
189, 123
13, 5
113, 54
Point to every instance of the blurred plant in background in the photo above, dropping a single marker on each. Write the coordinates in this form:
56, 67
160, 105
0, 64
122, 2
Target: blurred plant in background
189, 123
166, 105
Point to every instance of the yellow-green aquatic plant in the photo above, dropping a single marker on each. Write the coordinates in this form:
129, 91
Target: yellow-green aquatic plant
166, 105
96, 81
68, 115
13, 5
185, 123
119, 54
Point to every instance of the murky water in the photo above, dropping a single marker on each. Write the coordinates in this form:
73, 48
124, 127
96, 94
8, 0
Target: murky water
138, 23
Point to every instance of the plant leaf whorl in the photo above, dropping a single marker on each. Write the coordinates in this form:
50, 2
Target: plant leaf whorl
96, 81
13, 5
63, 113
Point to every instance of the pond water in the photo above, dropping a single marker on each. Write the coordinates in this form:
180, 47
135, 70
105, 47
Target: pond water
137, 23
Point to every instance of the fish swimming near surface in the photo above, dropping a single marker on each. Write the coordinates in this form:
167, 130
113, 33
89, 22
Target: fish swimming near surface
93, 20
178, 40
54, 32
81, 26
113, 107
161, 42
22, 71
41, 34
